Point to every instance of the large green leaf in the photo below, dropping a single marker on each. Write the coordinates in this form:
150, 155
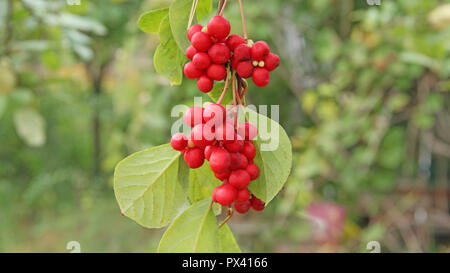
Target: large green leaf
215, 93
179, 16
149, 22
227, 242
195, 230
204, 7
169, 59
147, 187
201, 183
274, 162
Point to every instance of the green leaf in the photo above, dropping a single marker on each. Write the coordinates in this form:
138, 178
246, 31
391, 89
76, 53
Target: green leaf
273, 157
179, 16
204, 7
147, 186
215, 93
227, 242
30, 126
169, 59
195, 230
149, 22
201, 183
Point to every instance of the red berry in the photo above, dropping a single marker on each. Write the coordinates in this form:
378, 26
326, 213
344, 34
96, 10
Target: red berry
239, 179
247, 131
202, 135
219, 53
249, 150
245, 69
235, 160
235, 146
242, 52
216, 72
218, 27
224, 194
193, 116
178, 141
201, 60
260, 76
242, 207
234, 40
243, 195
194, 157
214, 114
256, 203
223, 176
191, 71
271, 61
220, 160
201, 41
194, 29
225, 132
234, 62
260, 50
205, 84
208, 151
253, 171
190, 52
243, 162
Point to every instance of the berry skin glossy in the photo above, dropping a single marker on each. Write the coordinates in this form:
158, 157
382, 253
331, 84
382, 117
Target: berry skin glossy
191, 71
243, 195
249, 150
257, 204
194, 158
242, 52
193, 116
202, 135
201, 60
205, 84
190, 52
208, 151
223, 176
235, 146
235, 160
193, 29
247, 131
216, 72
271, 61
260, 77
225, 132
243, 162
260, 50
224, 194
219, 53
239, 179
220, 160
214, 114
201, 41
242, 207
234, 40
179, 141
245, 69
253, 170
218, 27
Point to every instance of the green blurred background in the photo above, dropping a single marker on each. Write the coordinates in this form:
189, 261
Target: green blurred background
363, 92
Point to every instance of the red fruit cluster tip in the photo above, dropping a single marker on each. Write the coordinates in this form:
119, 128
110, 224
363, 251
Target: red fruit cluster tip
229, 150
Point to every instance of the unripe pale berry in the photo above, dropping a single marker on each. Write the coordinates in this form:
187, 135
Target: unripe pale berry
201, 41
260, 76
223, 176
202, 135
271, 61
225, 132
208, 151
243, 195
214, 114
179, 141
192, 30
190, 52
249, 150
191, 71
242, 207
242, 52
216, 72
201, 60
220, 160
235, 146
256, 203
260, 50
219, 53
234, 40
224, 194
245, 69
253, 171
239, 179
193, 116
194, 158
219, 27
247, 130
205, 84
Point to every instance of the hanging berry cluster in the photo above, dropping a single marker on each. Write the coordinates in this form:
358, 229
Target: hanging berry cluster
215, 135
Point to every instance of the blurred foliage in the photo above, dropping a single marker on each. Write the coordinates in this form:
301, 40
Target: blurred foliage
364, 95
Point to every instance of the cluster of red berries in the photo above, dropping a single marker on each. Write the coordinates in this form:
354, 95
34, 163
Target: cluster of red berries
230, 153
211, 50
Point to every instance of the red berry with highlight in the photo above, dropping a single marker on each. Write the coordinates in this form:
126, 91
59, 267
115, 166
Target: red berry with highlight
178, 141
239, 179
243, 195
235, 160
247, 130
260, 76
205, 84
201, 60
242, 52
194, 157
271, 61
219, 27
253, 171
191, 71
245, 69
220, 160
249, 150
216, 72
219, 53
235, 146
234, 40
224, 194
243, 162
190, 52
256, 203
225, 132
260, 50
201, 41
194, 29
223, 176
193, 116
202, 135
242, 207
214, 114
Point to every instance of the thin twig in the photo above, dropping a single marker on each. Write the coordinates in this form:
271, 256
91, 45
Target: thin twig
244, 28
191, 15
223, 7
229, 215
225, 88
